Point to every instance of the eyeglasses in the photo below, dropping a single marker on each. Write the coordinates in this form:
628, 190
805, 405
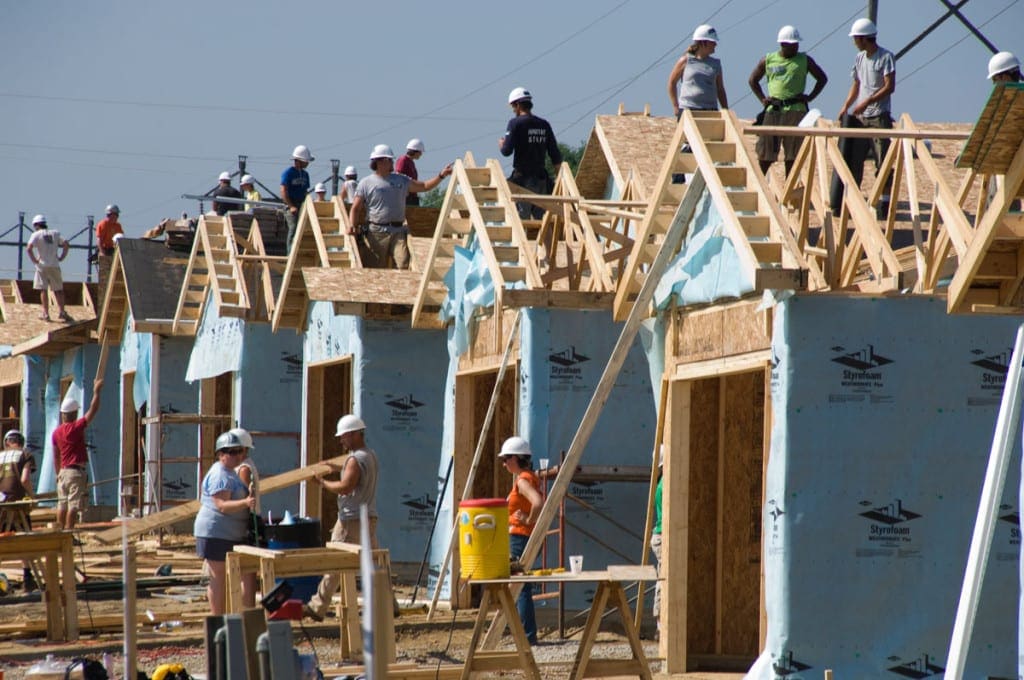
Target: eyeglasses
233, 452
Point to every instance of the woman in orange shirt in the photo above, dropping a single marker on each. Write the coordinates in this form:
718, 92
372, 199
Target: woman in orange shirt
524, 503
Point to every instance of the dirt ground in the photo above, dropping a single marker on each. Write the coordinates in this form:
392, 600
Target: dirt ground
172, 611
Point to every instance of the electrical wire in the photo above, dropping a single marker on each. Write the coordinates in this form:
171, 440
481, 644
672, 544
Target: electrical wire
946, 50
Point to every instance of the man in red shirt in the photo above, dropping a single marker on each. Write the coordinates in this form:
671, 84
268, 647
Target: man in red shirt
406, 165
70, 457
107, 229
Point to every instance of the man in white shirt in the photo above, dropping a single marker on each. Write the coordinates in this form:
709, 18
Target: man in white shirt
47, 248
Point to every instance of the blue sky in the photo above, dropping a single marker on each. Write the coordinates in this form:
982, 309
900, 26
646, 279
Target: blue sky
139, 102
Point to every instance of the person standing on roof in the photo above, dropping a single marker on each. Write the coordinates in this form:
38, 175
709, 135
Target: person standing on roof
786, 103
868, 104
1004, 67
320, 192
294, 187
357, 486
379, 207
225, 190
249, 191
406, 165
530, 138
71, 458
43, 247
695, 82
524, 506
348, 188
107, 229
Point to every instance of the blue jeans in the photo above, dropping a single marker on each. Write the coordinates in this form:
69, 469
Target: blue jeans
524, 604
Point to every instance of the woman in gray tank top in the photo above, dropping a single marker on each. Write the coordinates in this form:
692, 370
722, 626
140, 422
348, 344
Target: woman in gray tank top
696, 80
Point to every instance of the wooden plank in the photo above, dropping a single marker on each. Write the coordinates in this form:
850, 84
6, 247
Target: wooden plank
383, 286
188, 510
672, 645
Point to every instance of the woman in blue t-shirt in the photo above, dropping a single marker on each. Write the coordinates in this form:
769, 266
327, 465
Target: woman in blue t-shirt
223, 518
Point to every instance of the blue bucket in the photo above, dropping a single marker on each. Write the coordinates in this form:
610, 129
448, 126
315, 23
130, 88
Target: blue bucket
301, 532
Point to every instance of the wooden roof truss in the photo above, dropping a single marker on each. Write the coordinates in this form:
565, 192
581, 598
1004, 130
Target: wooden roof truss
214, 273
990, 274
321, 240
751, 216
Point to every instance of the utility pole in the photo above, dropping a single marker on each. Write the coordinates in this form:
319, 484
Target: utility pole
21, 241
873, 11
335, 164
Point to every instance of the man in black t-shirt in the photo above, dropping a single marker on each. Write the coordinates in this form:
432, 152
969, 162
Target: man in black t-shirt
225, 189
530, 138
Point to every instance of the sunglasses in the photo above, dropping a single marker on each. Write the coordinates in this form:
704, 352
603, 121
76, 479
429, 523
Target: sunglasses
233, 452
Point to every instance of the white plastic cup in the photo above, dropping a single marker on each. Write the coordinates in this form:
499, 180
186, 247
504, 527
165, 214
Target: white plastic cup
576, 563
544, 463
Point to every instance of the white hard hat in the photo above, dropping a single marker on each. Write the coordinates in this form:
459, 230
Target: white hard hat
1001, 62
382, 151
705, 32
320, 188
38, 219
247, 179
515, 446
118, 237
789, 34
519, 94
243, 435
863, 27
69, 405
224, 177
301, 153
415, 144
349, 423
112, 208
350, 171
228, 440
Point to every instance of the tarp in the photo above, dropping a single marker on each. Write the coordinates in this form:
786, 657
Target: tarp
883, 415
707, 267
218, 346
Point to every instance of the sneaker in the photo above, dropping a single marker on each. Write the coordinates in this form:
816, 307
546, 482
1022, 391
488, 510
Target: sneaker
310, 613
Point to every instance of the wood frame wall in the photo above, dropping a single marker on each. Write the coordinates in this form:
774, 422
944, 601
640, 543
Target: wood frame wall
328, 397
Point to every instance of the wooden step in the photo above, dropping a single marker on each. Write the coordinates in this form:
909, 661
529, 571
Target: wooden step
323, 209
711, 129
506, 253
722, 152
767, 251
486, 194
998, 265
499, 234
755, 226
329, 224
493, 213
732, 175
512, 274
229, 297
743, 201
478, 176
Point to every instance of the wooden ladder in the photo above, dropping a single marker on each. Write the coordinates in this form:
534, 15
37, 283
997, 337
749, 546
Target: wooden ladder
321, 240
751, 217
214, 273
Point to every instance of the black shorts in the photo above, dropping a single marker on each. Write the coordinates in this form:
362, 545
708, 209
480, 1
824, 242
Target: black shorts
214, 549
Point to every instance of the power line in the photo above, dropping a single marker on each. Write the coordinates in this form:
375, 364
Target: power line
967, 35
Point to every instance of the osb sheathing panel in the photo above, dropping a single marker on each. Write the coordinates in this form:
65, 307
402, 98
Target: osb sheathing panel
742, 444
592, 172
631, 143
703, 503
12, 370
422, 221
718, 332
484, 354
21, 321
384, 286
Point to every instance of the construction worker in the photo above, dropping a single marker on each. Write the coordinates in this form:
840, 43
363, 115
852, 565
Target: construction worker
225, 190
16, 467
379, 210
294, 187
407, 166
107, 229
223, 519
868, 104
695, 81
348, 188
320, 191
1004, 67
356, 487
530, 138
786, 102
71, 457
249, 191
524, 506
43, 247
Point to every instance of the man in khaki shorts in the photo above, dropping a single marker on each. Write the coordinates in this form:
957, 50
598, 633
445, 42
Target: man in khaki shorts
70, 458
43, 247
